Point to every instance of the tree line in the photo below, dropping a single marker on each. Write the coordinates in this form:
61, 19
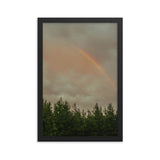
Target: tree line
64, 121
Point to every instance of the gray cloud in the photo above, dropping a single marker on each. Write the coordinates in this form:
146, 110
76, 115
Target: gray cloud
69, 75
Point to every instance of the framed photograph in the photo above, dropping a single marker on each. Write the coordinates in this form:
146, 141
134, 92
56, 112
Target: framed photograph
80, 79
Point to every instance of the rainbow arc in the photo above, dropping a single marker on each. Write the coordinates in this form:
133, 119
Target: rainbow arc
98, 66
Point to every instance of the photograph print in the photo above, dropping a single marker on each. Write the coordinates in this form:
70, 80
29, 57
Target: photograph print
79, 79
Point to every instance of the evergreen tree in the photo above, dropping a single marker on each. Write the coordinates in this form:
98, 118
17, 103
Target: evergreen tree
49, 127
62, 116
111, 121
62, 121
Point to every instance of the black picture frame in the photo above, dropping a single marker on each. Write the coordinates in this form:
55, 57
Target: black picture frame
119, 21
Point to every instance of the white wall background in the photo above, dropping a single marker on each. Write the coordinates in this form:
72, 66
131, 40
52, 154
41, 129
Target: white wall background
18, 80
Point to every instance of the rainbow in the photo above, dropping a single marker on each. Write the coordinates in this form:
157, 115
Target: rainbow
97, 65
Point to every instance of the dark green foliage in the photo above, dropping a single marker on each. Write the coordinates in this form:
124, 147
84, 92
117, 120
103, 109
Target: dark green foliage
49, 126
64, 121
63, 118
111, 121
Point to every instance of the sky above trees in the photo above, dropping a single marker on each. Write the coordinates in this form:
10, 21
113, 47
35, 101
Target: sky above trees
69, 74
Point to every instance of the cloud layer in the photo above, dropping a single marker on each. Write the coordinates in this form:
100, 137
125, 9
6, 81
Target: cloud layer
69, 74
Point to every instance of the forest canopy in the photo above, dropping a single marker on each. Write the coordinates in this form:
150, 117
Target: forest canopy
62, 120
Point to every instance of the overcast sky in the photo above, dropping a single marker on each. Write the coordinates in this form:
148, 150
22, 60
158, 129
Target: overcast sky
67, 73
